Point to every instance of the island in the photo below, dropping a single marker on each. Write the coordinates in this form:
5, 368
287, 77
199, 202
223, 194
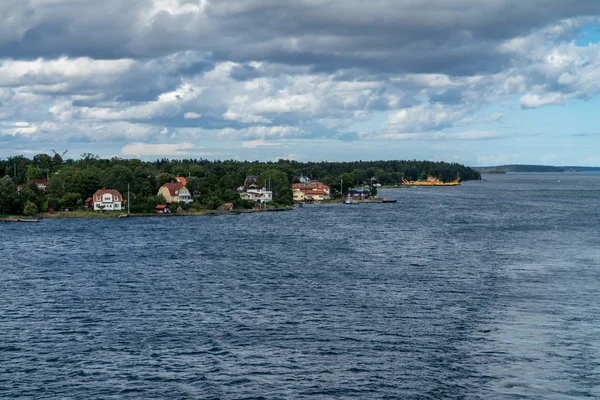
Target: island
98, 187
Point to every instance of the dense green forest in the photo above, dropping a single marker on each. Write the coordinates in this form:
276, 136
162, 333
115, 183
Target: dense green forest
533, 168
211, 182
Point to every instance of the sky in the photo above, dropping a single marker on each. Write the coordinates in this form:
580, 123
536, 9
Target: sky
476, 82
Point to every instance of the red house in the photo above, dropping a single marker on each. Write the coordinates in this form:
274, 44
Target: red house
162, 209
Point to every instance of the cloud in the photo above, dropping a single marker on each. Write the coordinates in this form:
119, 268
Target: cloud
192, 115
163, 149
442, 135
260, 71
253, 144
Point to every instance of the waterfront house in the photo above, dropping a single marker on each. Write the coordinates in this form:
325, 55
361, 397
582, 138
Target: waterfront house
175, 192
107, 200
89, 203
313, 190
299, 195
358, 193
226, 207
257, 194
162, 209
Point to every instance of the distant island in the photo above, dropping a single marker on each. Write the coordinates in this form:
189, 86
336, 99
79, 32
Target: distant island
503, 169
47, 183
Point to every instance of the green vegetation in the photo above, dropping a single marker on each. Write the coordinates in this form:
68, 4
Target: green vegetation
502, 169
211, 183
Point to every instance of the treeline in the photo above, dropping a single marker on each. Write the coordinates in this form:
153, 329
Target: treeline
521, 168
211, 183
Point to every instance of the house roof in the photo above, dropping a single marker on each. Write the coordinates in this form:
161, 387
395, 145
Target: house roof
40, 181
161, 207
174, 188
311, 185
114, 192
181, 180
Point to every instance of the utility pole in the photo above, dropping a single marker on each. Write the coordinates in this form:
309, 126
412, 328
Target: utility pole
342, 187
127, 197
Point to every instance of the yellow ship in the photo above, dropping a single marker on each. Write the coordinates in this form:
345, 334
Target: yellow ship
431, 181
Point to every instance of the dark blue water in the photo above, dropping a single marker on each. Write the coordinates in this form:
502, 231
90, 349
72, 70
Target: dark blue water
487, 290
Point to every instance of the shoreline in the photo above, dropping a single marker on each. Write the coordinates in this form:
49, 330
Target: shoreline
119, 215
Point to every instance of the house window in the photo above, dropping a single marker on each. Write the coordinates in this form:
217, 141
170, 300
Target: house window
116, 198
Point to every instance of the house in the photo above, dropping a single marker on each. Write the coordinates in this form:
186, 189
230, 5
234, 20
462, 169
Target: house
313, 190
162, 209
40, 183
299, 195
181, 180
107, 200
358, 193
175, 192
251, 179
89, 202
226, 207
258, 194
315, 195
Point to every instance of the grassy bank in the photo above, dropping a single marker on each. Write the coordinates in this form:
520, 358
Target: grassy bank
117, 214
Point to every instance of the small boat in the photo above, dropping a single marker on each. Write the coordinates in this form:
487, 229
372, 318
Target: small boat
350, 201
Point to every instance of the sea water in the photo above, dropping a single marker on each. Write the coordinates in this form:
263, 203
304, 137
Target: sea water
486, 290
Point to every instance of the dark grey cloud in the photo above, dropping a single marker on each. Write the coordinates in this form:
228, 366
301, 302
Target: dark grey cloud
457, 37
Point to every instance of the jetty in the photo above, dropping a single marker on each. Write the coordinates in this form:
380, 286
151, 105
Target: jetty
20, 220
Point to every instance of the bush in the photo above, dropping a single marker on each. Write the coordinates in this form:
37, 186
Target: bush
30, 209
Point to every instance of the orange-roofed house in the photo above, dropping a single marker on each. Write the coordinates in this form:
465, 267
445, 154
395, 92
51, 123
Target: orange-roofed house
175, 192
312, 190
226, 207
107, 200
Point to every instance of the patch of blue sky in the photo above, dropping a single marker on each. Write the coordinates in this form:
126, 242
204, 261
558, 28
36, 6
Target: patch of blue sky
589, 34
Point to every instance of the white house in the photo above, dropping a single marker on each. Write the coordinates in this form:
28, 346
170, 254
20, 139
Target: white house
257, 194
107, 200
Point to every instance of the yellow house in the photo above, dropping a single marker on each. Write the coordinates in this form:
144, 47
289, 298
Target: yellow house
299, 195
175, 192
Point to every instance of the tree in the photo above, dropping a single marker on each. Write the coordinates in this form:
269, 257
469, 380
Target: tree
193, 185
8, 195
32, 172
30, 193
163, 178
117, 177
69, 200
30, 209
277, 181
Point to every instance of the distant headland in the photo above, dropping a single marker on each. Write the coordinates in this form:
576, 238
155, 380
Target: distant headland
503, 169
